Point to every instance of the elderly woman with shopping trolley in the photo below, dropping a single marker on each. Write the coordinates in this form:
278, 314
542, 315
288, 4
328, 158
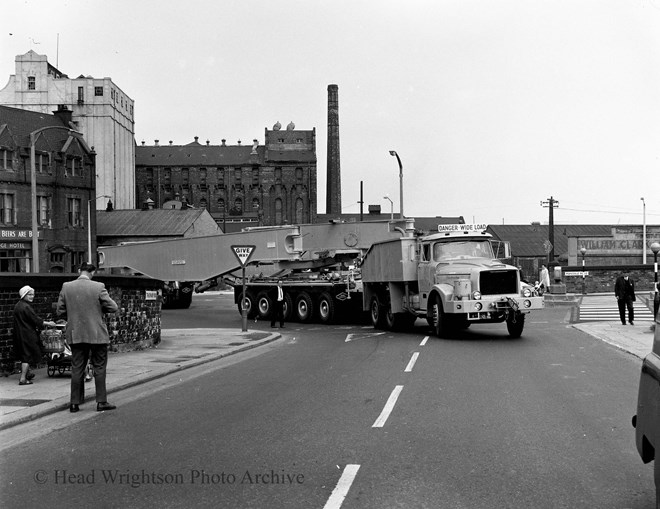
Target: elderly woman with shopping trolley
26, 336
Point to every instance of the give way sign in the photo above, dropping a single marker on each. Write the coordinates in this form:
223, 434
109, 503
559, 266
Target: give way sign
243, 253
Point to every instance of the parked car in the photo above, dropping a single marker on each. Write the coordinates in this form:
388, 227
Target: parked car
647, 420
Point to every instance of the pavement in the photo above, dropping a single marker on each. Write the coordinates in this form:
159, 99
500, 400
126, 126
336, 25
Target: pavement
181, 349
178, 349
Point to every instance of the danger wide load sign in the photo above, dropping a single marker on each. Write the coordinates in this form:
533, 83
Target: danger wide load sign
462, 227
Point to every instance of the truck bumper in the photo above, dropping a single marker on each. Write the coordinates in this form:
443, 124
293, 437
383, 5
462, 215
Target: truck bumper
490, 307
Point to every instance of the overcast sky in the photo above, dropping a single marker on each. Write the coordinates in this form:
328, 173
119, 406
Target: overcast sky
493, 106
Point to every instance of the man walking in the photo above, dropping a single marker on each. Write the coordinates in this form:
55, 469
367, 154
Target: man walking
84, 301
277, 298
624, 290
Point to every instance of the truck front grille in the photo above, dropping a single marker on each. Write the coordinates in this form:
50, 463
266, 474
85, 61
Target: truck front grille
498, 281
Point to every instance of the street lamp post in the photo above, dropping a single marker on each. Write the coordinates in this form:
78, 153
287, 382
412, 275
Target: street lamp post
391, 207
655, 247
583, 252
33, 190
89, 224
393, 153
643, 231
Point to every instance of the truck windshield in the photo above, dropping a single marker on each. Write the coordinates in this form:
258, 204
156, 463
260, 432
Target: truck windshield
463, 249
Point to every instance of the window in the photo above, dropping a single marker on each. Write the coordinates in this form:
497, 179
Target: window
255, 204
237, 176
203, 204
57, 261
255, 176
43, 210
185, 175
98, 91
32, 83
278, 175
74, 167
221, 178
299, 211
81, 95
77, 259
299, 175
73, 207
278, 211
7, 210
42, 162
221, 205
7, 158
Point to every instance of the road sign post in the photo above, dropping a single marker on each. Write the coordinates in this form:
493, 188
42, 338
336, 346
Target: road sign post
243, 254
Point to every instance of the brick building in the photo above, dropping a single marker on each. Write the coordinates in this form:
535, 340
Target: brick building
240, 185
65, 179
100, 109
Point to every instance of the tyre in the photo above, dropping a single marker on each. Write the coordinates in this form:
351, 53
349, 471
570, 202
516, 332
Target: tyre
515, 323
304, 307
377, 312
264, 305
287, 309
250, 305
437, 317
326, 308
51, 370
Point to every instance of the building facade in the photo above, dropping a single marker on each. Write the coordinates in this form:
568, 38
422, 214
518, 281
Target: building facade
100, 110
65, 192
240, 185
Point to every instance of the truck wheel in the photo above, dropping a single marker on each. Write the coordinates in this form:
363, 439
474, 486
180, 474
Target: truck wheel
515, 328
377, 312
326, 307
287, 308
439, 322
264, 305
250, 305
304, 307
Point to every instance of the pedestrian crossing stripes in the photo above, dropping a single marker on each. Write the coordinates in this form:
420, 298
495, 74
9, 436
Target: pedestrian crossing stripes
610, 312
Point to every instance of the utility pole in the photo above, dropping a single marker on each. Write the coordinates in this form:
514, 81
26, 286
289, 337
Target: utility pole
551, 204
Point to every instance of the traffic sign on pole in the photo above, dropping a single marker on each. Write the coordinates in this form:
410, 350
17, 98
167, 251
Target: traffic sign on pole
243, 253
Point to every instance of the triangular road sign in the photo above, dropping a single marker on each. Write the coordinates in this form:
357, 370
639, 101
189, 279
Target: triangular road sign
243, 253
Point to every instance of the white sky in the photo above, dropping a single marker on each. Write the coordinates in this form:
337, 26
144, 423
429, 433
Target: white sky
493, 106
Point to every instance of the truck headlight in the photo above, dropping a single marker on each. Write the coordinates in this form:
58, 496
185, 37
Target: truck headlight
476, 295
527, 304
478, 306
527, 292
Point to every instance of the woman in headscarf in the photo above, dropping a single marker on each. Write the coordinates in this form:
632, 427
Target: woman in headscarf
26, 336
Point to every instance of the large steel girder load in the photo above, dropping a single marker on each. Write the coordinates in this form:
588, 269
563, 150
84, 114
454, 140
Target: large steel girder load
202, 258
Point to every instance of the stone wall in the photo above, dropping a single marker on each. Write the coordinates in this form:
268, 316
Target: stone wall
601, 278
134, 327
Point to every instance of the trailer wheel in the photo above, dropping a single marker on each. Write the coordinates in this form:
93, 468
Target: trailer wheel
304, 307
438, 319
377, 312
250, 305
264, 305
287, 309
515, 328
326, 307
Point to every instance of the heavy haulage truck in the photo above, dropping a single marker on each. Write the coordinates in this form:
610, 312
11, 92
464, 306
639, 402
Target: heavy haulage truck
452, 278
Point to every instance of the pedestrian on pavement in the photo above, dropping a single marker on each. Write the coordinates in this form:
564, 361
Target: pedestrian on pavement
84, 301
276, 295
624, 291
545, 278
26, 334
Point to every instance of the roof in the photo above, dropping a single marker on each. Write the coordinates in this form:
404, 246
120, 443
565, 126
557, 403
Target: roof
527, 239
22, 122
147, 223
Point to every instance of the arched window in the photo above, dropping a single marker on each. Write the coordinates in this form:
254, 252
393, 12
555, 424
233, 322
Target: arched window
203, 203
221, 205
255, 204
300, 211
278, 211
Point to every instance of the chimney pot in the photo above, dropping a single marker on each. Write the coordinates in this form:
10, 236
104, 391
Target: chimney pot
156, 143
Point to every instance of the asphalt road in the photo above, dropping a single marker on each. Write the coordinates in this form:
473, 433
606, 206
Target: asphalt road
393, 420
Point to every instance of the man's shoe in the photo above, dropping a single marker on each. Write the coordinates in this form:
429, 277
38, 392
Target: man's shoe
73, 408
100, 407
631, 323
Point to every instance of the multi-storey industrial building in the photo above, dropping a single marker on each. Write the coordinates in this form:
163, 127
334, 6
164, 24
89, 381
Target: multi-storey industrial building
65, 192
240, 185
100, 110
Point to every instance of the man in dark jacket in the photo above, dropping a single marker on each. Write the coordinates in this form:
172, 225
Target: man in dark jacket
624, 290
84, 301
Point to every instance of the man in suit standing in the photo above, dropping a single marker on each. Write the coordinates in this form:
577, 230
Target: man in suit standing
624, 290
277, 298
84, 301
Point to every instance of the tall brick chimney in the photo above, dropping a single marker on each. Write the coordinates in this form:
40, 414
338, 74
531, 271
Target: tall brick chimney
333, 188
